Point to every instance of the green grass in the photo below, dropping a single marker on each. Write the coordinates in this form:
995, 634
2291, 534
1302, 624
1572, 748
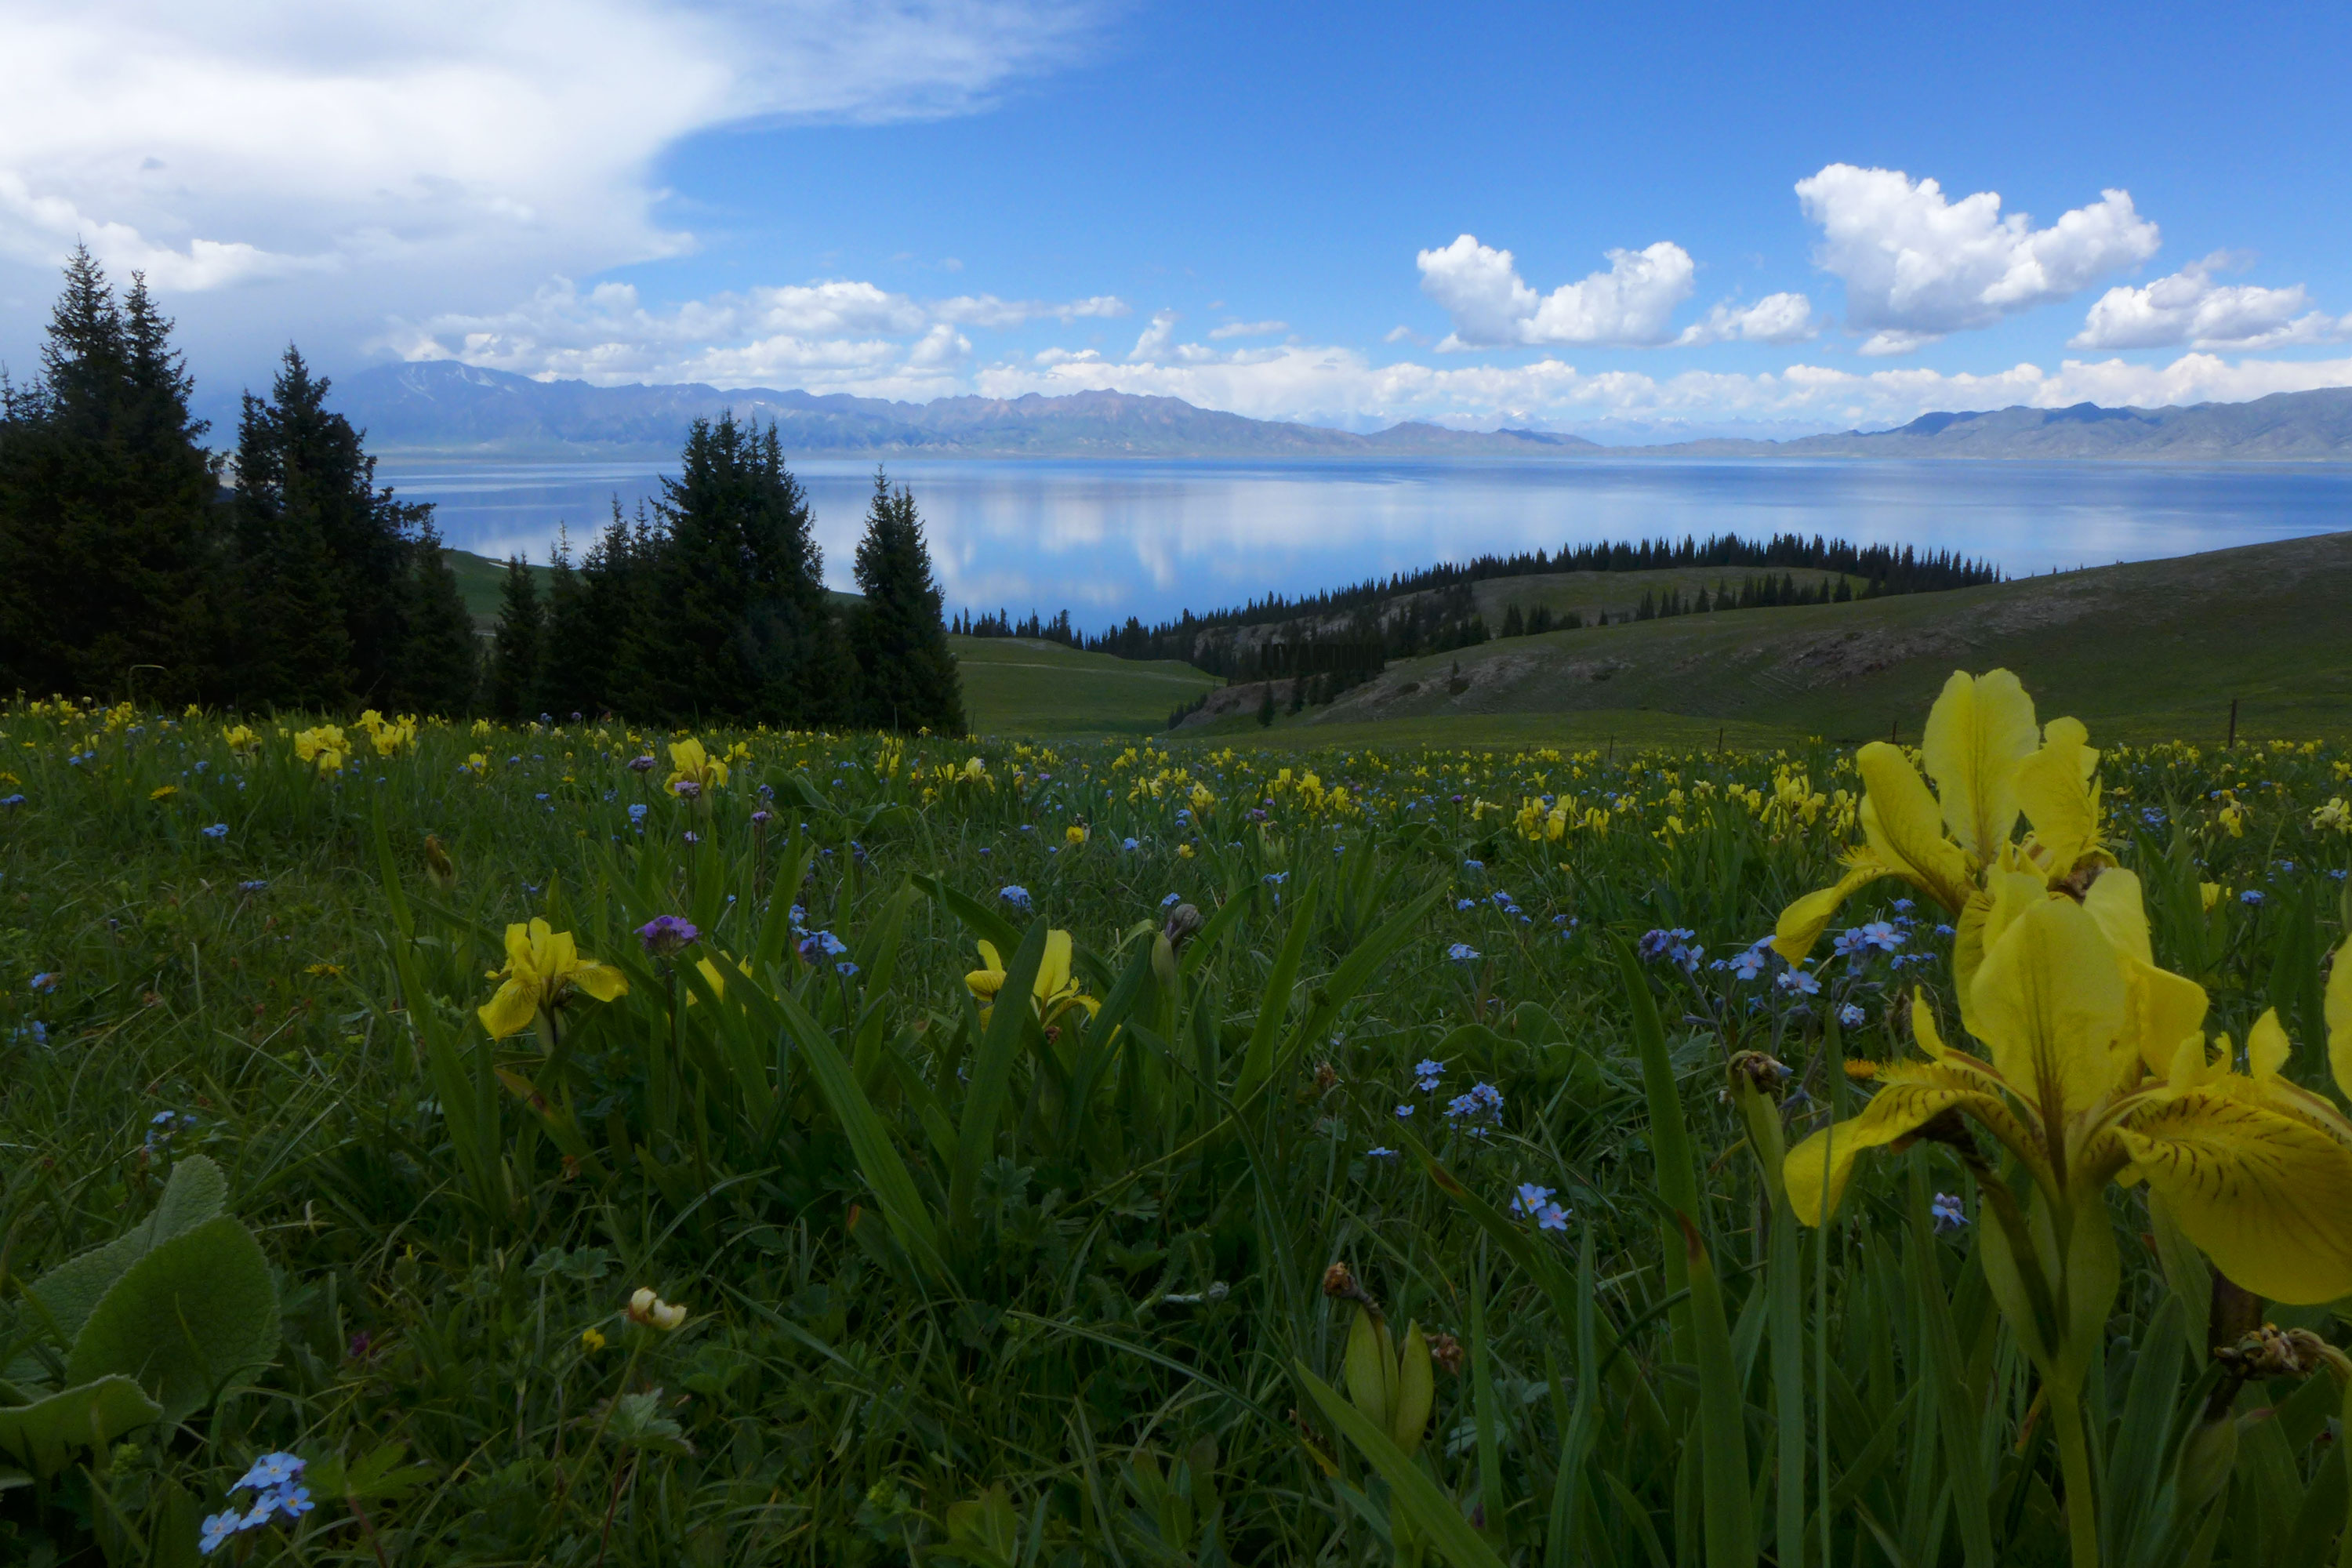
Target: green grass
1012, 686
1052, 1289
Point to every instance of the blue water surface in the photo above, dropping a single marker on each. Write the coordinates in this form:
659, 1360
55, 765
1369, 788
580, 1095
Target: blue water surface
1107, 539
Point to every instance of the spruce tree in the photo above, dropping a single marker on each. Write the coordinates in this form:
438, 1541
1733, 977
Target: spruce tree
440, 671
291, 648
565, 681
734, 621
514, 650
302, 469
109, 523
907, 679
613, 582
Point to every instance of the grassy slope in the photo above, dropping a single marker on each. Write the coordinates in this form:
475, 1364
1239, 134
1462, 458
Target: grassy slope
1618, 593
1012, 686
2141, 650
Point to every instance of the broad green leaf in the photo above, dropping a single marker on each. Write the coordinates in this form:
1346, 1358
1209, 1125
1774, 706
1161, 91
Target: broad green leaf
70, 1291
184, 1319
87, 1416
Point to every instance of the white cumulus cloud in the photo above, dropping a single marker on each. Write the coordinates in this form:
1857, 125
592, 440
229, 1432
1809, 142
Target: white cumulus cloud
1491, 306
1249, 330
2190, 306
1155, 338
1916, 265
1774, 319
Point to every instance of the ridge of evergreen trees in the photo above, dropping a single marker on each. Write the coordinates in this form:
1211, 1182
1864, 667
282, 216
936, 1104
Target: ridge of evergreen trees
110, 545
907, 679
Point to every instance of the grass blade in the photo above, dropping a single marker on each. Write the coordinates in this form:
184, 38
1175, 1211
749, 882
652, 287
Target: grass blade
1412, 1493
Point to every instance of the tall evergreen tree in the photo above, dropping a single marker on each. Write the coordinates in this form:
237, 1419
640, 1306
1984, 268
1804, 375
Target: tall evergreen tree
108, 525
441, 671
734, 620
613, 580
566, 680
515, 649
302, 471
907, 679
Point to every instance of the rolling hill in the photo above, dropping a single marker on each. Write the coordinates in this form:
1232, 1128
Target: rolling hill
2140, 651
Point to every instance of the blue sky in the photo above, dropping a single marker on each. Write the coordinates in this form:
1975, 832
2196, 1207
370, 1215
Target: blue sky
1715, 217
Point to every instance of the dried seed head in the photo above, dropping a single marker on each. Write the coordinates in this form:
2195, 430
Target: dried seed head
1764, 1074
1447, 1351
1339, 1284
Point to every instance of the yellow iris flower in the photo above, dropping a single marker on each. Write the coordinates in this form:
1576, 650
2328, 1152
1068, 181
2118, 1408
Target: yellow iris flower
696, 766
2096, 1074
1056, 991
543, 967
323, 747
1991, 763
2096, 1069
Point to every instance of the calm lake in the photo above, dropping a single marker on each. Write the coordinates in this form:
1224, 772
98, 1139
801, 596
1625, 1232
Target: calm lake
1110, 539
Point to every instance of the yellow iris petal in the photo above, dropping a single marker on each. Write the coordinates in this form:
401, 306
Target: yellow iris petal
1905, 827
1909, 1095
1053, 969
2049, 1004
1979, 731
601, 980
2053, 786
2161, 1010
2266, 1195
2115, 901
1801, 923
510, 1011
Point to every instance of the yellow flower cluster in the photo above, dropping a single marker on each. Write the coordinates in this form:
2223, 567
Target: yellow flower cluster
323, 747
390, 737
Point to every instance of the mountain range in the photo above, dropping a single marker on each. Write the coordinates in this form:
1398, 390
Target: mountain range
447, 409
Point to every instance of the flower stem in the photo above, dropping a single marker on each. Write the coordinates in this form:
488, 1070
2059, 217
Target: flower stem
2074, 1464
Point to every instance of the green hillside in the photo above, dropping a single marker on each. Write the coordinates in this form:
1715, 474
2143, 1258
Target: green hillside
2141, 651
1013, 686
1589, 593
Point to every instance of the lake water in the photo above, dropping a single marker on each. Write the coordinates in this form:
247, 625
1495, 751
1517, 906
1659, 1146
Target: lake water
1107, 539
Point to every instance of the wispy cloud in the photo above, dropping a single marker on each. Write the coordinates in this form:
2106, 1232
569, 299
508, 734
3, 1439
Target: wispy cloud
436, 156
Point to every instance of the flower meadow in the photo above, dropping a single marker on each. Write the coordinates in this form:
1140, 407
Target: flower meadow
459, 1143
